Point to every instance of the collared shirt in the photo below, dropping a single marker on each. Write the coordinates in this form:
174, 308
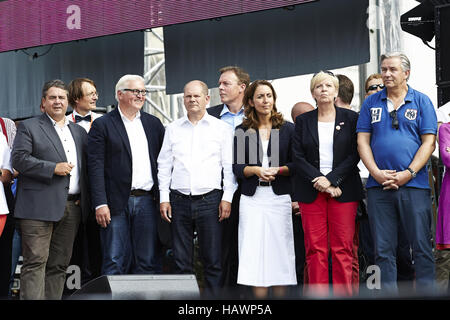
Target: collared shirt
141, 167
233, 119
85, 124
70, 150
395, 148
192, 158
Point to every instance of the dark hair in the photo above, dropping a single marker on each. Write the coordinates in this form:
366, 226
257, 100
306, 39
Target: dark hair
240, 73
53, 83
251, 117
76, 89
346, 89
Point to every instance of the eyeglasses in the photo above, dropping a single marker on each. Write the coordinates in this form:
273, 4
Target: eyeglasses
92, 94
136, 92
393, 115
375, 86
324, 71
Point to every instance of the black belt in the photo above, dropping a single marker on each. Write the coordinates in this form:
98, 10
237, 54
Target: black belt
73, 197
264, 183
193, 197
140, 193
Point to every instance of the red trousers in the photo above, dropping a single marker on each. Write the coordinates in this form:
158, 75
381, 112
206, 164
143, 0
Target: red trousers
2, 222
327, 221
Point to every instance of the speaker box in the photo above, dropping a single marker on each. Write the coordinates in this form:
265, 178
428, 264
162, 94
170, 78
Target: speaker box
442, 26
139, 287
443, 95
419, 21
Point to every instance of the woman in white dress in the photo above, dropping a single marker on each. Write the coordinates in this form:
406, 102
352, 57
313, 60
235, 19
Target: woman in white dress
262, 165
5, 176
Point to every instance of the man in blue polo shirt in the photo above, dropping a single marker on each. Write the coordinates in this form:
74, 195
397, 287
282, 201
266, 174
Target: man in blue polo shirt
396, 137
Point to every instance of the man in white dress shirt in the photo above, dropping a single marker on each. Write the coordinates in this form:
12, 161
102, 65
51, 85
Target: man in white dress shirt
196, 148
86, 254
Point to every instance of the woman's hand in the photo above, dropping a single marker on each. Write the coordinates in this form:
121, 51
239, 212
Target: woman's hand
266, 174
334, 191
321, 183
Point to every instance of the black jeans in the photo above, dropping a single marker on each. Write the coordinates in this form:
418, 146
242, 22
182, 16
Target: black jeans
200, 214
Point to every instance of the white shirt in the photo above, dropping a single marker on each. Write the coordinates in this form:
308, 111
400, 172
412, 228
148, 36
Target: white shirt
326, 134
265, 159
5, 163
443, 113
70, 150
85, 124
192, 158
140, 159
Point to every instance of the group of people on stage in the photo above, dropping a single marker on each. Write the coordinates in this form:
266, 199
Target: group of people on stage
238, 174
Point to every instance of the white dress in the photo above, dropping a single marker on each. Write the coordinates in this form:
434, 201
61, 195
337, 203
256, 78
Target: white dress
266, 239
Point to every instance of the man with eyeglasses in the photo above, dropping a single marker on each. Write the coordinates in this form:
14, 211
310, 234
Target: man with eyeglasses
83, 98
396, 137
123, 147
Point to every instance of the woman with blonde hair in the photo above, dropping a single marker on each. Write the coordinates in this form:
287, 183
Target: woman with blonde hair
329, 186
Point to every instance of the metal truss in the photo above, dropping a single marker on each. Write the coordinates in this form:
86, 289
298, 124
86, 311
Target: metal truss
166, 107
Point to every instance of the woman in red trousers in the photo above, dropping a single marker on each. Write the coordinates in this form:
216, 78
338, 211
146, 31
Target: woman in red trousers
329, 186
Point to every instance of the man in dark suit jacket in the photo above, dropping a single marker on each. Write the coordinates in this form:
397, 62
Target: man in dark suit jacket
49, 153
232, 84
123, 147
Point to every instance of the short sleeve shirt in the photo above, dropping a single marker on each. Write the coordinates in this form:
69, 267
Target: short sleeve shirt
395, 148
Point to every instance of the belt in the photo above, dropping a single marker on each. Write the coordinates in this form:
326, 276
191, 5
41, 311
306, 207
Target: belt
264, 183
193, 197
73, 197
140, 193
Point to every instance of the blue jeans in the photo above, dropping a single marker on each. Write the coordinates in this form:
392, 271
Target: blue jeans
411, 208
130, 242
201, 215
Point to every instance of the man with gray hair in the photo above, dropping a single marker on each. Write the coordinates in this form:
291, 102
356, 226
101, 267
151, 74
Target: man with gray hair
123, 146
396, 137
49, 152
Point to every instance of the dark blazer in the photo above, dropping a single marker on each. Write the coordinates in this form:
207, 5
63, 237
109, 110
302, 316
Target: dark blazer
250, 147
215, 111
109, 155
42, 195
345, 173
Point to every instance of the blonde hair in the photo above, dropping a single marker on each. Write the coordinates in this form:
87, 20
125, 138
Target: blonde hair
321, 76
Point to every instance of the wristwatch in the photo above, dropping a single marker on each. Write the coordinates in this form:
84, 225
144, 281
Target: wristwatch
413, 173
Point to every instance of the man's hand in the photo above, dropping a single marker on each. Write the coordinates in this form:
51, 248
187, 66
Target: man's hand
103, 216
400, 178
166, 211
321, 183
386, 178
63, 168
224, 210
